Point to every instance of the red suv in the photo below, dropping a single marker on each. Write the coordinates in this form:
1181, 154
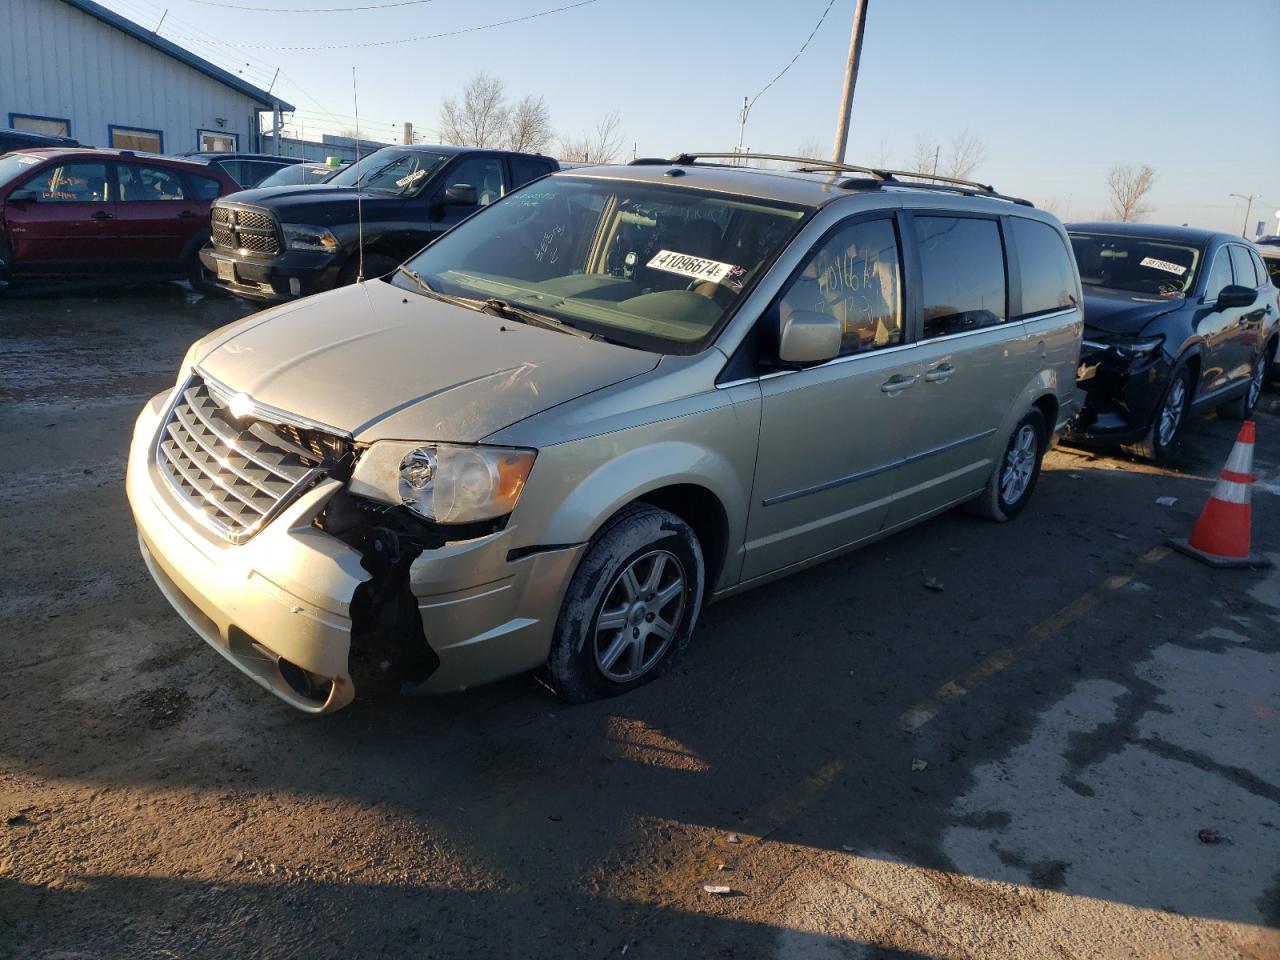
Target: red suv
89, 213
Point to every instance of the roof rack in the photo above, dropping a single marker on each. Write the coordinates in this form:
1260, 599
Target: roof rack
879, 177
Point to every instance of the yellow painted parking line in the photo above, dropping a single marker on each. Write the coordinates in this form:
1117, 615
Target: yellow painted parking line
921, 713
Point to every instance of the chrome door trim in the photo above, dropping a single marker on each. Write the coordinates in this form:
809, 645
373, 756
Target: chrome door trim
874, 471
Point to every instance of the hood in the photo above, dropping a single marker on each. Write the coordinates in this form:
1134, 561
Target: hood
318, 203
379, 363
1121, 313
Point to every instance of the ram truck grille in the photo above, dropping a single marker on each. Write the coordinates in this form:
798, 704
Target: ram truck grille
236, 474
238, 229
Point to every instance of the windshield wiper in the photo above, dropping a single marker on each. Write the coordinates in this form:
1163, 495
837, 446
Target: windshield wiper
431, 291
500, 308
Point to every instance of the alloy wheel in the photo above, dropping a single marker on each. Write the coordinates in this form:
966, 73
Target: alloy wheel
1259, 377
640, 615
1172, 411
1019, 464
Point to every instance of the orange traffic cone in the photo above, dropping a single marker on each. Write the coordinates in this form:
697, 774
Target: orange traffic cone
1221, 535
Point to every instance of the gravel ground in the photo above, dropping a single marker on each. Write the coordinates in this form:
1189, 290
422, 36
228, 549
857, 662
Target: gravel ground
1018, 765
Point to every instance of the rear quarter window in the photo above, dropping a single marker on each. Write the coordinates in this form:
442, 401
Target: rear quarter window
203, 188
1048, 281
522, 171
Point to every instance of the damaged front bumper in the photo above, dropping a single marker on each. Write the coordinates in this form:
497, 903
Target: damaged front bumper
310, 618
1121, 395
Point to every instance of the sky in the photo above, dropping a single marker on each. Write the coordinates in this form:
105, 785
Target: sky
1057, 92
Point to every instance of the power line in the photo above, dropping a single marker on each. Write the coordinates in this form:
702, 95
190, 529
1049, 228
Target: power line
371, 6
803, 47
398, 40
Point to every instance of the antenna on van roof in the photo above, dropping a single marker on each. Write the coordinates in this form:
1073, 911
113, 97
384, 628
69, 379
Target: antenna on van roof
355, 101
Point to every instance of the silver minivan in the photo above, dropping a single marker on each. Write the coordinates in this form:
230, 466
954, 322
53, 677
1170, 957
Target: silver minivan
612, 396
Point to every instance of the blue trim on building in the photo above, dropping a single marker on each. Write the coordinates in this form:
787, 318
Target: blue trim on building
113, 127
36, 116
111, 18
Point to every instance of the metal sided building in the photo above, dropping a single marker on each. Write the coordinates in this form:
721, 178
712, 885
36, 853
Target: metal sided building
73, 68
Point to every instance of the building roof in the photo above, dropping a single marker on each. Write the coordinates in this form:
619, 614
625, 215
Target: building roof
157, 42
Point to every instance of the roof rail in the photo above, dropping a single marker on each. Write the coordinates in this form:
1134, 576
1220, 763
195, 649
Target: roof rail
879, 177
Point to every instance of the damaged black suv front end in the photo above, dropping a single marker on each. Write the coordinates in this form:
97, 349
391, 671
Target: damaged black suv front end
1123, 379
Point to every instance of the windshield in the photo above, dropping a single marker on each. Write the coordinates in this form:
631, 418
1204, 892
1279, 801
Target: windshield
12, 164
297, 173
649, 265
1136, 264
400, 173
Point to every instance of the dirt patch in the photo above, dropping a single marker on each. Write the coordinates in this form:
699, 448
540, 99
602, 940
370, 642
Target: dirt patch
159, 707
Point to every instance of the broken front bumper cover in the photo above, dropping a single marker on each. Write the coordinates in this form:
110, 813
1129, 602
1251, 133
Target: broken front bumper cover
279, 606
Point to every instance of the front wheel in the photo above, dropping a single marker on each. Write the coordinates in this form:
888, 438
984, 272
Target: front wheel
1014, 476
1166, 426
630, 608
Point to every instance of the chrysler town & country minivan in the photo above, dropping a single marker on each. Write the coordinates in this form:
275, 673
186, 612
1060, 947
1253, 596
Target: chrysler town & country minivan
619, 392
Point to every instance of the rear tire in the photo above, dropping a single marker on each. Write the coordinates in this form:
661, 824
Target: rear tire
1242, 407
1014, 475
201, 280
1170, 417
630, 607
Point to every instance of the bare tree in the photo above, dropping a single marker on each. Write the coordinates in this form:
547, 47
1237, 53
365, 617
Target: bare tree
1128, 186
958, 159
481, 119
882, 157
926, 156
967, 152
529, 126
603, 145
812, 149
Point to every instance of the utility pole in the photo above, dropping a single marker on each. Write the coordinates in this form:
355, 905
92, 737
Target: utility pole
1244, 231
742, 126
850, 80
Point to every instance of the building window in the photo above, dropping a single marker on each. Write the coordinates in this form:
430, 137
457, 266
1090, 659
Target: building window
50, 126
136, 138
217, 140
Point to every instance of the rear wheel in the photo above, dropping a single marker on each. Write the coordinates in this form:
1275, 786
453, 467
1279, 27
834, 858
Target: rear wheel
630, 608
201, 280
1014, 476
1171, 415
1242, 407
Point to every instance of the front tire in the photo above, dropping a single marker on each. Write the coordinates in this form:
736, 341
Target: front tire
1170, 417
630, 607
1014, 476
201, 280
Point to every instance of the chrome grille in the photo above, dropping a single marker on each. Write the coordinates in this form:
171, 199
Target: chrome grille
236, 474
240, 229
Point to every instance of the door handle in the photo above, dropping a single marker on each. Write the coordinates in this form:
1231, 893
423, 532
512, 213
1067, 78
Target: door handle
102, 215
187, 215
897, 383
940, 373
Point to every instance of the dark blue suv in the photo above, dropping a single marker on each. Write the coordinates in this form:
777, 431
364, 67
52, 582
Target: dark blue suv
1176, 319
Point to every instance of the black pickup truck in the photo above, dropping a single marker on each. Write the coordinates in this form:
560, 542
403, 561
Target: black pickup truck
279, 243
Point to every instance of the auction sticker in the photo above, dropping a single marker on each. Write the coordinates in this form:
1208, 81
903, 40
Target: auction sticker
1164, 265
695, 267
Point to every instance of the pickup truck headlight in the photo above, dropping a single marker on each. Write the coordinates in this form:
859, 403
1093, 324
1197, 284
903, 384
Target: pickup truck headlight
301, 236
444, 482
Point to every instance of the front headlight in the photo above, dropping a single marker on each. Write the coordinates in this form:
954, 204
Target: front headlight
444, 482
1136, 348
300, 236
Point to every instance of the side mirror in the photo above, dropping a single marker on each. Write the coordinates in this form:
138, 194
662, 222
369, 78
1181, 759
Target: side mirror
460, 195
1236, 295
807, 337
24, 195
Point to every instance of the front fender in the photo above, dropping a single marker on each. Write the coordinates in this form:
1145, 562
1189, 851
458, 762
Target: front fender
576, 487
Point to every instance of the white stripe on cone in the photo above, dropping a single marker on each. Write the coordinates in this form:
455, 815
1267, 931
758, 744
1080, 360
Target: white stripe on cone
1241, 459
1229, 491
